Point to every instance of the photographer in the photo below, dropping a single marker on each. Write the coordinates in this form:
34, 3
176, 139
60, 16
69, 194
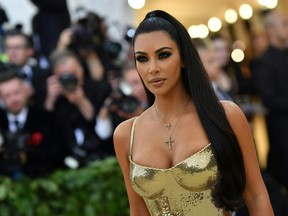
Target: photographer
87, 37
76, 100
128, 98
30, 143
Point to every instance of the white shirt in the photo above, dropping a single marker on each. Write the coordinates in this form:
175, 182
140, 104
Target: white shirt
104, 128
27, 71
20, 117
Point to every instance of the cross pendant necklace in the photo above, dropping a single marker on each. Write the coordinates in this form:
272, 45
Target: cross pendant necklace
168, 126
169, 142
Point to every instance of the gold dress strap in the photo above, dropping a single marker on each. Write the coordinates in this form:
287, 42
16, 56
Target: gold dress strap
132, 135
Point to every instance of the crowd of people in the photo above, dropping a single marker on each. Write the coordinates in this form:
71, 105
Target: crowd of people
63, 96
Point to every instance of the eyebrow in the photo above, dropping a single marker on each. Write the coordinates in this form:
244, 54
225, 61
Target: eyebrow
157, 51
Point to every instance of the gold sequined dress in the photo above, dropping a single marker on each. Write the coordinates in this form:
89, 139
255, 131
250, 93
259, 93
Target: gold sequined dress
182, 190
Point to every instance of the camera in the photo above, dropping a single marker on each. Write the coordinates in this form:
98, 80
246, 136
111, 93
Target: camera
68, 81
88, 35
122, 100
87, 32
124, 103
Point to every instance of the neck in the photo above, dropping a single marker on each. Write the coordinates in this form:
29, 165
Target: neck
16, 113
170, 107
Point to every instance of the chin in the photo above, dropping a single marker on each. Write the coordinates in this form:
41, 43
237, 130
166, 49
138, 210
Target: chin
15, 110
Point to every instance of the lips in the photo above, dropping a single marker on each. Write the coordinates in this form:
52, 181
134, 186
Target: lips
157, 81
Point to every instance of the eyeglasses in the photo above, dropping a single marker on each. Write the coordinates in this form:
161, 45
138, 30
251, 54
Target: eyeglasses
16, 47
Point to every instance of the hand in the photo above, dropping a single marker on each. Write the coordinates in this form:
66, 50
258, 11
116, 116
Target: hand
54, 89
65, 39
75, 97
78, 98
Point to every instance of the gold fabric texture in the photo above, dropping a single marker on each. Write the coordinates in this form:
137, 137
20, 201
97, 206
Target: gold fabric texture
182, 190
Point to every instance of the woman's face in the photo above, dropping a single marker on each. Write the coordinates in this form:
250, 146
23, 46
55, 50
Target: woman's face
158, 62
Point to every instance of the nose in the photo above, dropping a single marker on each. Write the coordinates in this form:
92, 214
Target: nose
154, 68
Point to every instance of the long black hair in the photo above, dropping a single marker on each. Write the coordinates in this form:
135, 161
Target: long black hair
227, 193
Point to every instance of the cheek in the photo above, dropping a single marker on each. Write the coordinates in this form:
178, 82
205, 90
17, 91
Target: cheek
8, 101
142, 71
173, 66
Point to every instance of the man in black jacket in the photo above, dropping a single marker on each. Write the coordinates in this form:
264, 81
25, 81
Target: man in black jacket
31, 145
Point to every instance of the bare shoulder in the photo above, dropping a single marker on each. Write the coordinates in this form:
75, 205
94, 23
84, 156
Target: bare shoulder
230, 106
121, 135
124, 128
122, 131
231, 109
234, 114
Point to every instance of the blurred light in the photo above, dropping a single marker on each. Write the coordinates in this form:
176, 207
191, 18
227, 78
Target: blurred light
237, 55
214, 24
193, 31
268, 3
203, 31
246, 11
130, 32
239, 45
198, 31
231, 16
136, 4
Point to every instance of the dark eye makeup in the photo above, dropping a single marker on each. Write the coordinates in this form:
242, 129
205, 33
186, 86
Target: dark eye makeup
163, 55
141, 58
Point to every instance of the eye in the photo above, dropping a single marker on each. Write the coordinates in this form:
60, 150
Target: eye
141, 58
164, 55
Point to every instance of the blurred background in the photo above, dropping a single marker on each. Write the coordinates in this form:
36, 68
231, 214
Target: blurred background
93, 39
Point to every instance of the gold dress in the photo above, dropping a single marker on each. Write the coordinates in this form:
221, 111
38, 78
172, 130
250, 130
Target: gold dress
182, 190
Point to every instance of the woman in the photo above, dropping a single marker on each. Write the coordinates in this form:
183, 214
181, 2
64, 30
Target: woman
188, 153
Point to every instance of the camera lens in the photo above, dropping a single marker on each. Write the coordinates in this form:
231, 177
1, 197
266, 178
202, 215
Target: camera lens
68, 81
129, 104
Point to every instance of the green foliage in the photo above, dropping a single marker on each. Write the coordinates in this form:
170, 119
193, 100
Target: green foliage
95, 190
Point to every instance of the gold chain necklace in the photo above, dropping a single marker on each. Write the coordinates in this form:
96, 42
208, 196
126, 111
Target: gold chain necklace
168, 126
